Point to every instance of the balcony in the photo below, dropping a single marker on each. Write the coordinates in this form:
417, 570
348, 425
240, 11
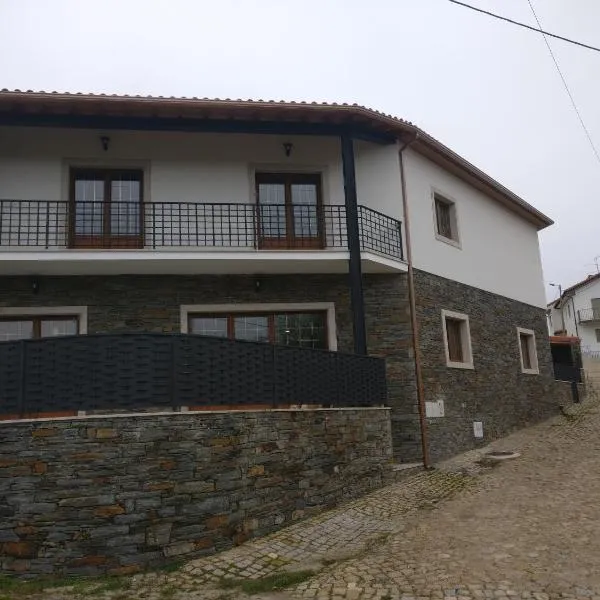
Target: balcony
256, 238
588, 314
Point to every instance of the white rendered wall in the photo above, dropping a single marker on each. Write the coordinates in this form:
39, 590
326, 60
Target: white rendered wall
499, 250
191, 167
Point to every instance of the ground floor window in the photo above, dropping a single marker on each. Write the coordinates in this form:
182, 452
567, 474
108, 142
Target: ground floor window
302, 329
29, 327
457, 340
527, 350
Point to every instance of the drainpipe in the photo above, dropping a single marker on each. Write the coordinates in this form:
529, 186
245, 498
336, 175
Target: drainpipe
413, 311
574, 315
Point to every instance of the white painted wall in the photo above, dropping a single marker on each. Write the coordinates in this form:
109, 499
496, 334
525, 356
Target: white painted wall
191, 167
580, 299
499, 250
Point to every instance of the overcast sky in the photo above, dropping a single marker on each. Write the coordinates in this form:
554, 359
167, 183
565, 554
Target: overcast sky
487, 89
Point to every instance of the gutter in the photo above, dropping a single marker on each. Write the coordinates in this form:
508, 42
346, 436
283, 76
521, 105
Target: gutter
413, 310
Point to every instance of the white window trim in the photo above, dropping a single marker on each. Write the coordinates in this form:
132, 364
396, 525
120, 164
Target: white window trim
328, 307
467, 347
533, 350
452, 242
49, 311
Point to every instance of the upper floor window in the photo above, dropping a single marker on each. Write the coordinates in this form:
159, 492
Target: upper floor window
106, 208
290, 210
446, 225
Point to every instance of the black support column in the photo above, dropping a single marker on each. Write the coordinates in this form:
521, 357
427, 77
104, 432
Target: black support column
352, 230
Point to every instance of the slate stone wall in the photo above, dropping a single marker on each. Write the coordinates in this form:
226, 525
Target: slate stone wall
117, 494
495, 392
152, 304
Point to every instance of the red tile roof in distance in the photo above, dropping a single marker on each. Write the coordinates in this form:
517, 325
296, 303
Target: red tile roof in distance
59, 103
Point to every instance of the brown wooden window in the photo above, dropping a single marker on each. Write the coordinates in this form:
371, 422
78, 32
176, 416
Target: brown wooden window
455, 343
445, 218
26, 328
457, 340
289, 210
525, 355
529, 363
301, 329
106, 208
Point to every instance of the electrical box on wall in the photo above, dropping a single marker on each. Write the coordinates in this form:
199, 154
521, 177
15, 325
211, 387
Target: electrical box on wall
434, 409
478, 429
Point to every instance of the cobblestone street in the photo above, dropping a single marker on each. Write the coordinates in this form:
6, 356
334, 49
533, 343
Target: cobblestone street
528, 528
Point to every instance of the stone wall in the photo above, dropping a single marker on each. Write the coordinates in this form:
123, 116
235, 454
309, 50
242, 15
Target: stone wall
152, 304
117, 494
495, 392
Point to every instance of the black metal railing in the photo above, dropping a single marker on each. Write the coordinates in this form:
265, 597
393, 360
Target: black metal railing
588, 314
134, 371
48, 224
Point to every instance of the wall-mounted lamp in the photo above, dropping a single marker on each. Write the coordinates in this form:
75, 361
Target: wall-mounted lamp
257, 284
35, 286
287, 147
105, 141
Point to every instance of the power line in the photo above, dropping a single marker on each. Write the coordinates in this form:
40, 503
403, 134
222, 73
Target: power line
558, 37
585, 129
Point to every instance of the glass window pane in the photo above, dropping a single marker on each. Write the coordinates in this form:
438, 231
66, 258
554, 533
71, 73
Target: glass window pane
213, 326
57, 327
254, 328
303, 330
271, 198
89, 206
15, 330
125, 206
304, 202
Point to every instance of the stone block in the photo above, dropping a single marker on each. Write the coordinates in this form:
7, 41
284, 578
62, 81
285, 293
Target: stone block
217, 521
158, 535
83, 501
19, 549
194, 487
109, 511
179, 548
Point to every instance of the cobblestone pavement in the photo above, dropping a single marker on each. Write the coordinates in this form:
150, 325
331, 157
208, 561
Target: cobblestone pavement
529, 528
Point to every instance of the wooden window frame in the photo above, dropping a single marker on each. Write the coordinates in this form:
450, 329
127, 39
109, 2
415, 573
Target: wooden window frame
105, 239
290, 241
532, 350
230, 316
466, 344
37, 322
442, 199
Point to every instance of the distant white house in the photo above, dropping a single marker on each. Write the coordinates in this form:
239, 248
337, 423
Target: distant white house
577, 313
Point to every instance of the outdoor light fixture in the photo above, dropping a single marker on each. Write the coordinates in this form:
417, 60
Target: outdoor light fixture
104, 140
35, 286
287, 146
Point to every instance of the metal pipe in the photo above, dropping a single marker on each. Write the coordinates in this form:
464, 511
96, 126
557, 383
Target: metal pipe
413, 312
353, 234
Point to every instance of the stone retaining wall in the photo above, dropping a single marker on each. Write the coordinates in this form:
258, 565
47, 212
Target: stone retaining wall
118, 494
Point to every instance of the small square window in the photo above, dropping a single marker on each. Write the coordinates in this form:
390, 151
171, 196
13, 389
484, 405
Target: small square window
527, 351
457, 340
446, 227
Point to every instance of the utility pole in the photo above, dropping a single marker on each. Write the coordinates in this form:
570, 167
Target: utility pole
562, 315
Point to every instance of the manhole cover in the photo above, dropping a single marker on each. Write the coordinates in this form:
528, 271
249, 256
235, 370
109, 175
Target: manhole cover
502, 455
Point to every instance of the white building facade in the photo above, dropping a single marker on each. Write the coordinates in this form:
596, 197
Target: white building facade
235, 219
